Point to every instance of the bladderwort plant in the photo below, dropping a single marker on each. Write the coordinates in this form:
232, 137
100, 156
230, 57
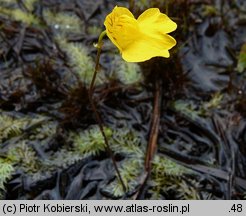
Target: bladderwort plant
138, 40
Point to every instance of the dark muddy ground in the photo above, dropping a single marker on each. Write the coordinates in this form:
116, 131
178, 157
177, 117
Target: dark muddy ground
51, 146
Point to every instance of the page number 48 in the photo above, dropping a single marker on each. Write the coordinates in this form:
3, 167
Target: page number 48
236, 208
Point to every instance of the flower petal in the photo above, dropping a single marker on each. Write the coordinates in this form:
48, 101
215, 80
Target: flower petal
147, 47
153, 21
121, 27
118, 11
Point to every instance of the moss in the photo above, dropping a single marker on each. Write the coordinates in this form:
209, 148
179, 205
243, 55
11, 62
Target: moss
23, 154
209, 11
61, 159
185, 108
167, 177
213, 103
19, 15
7, 3
94, 30
124, 142
79, 60
188, 191
45, 131
127, 141
241, 64
90, 142
10, 127
10, 9
24, 157
29, 4
129, 144
125, 72
6, 170
15, 126
130, 171
195, 111
164, 166
63, 23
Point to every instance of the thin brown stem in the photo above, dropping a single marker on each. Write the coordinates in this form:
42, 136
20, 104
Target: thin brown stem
100, 123
97, 115
95, 72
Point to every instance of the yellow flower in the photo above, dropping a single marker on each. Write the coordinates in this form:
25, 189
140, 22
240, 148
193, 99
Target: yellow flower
143, 38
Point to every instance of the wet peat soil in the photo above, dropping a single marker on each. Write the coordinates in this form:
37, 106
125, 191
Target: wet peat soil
201, 102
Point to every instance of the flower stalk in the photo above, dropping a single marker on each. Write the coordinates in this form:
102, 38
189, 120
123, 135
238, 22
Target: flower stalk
97, 115
99, 49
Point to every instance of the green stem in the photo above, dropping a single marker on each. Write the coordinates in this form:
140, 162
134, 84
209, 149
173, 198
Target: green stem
97, 115
99, 49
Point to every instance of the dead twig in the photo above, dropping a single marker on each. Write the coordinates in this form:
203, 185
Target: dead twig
152, 144
151, 148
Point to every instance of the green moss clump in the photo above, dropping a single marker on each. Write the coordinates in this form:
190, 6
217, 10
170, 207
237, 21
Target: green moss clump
167, 176
125, 72
90, 142
63, 23
194, 111
130, 171
29, 4
10, 9
213, 103
210, 10
79, 60
19, 15
15, 126
122, 141
6, 170
24, 157
164, 166
241, 64
10, 127
94, 30
62, 158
